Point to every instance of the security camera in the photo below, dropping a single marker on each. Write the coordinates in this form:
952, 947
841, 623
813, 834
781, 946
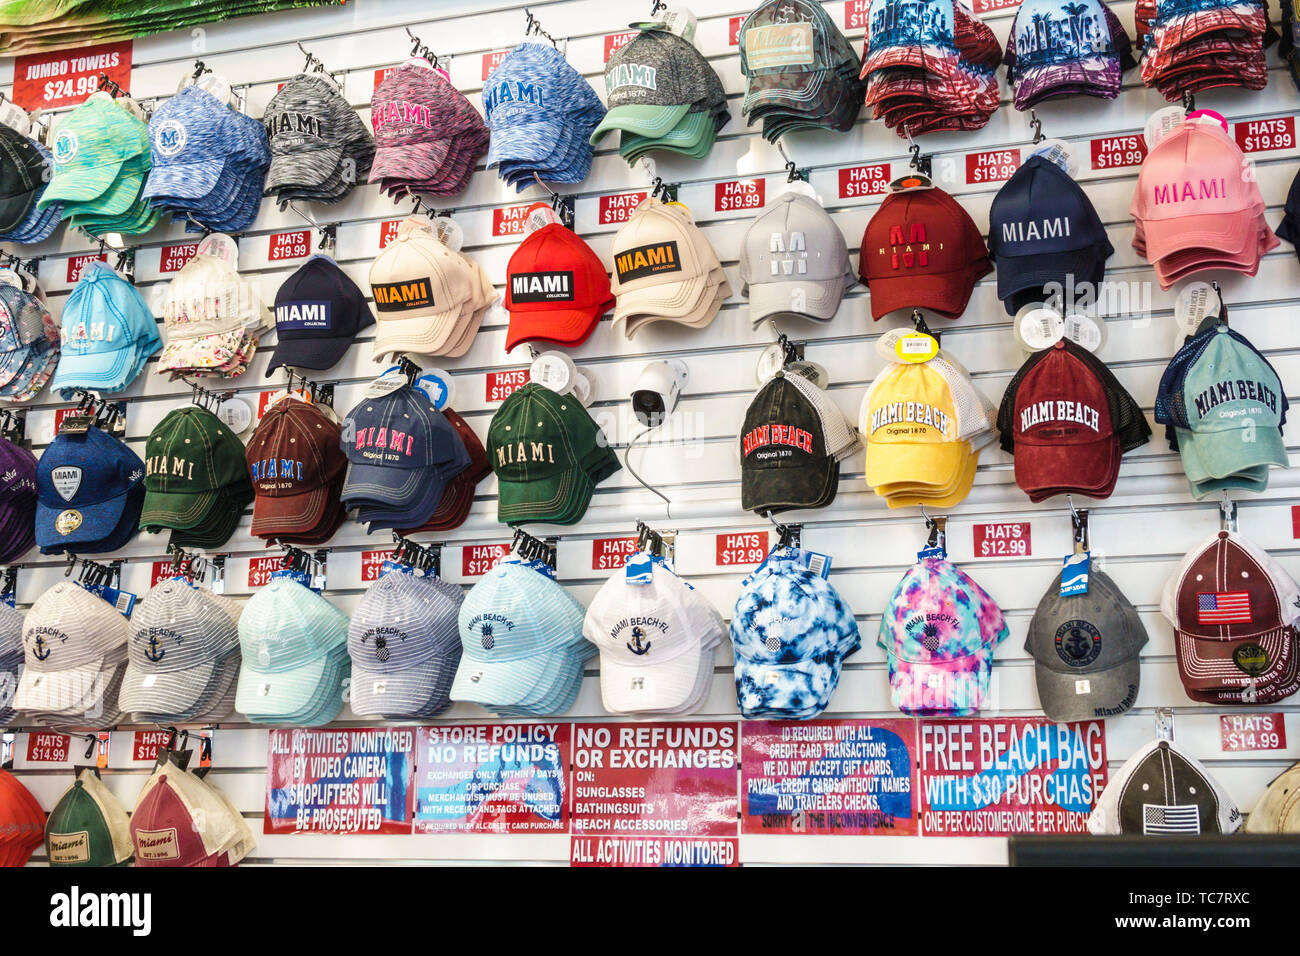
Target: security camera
656, 391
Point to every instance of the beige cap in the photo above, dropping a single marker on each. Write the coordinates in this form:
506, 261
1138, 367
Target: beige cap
662, 263
420, 287
1278, 810
716, 292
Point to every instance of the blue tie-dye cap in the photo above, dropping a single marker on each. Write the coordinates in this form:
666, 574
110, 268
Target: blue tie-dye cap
939, 631
788, 629
189, 136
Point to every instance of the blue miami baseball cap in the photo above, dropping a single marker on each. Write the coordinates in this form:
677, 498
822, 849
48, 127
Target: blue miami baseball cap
1225, 406
318, 312
189, 135
522, 649
89, 492
401, 453
108, 333
1044, 230
790, 631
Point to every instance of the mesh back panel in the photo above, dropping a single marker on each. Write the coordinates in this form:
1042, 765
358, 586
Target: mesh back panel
841, 440
1007, 410
972, 414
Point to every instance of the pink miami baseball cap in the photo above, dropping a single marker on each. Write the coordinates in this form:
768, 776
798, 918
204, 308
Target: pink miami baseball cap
1195, 192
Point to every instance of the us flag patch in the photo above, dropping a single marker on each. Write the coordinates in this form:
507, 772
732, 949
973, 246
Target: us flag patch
1223, 607
1175, 819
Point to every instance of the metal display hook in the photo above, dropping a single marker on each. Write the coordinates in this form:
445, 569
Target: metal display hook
534, 28
919, 324
919, 161
937, 527
1227, 514
1078, 526
787, 535
1037, 126
792, 172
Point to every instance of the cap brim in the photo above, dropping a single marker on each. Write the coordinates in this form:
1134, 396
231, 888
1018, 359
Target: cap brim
1075, 697
643, 120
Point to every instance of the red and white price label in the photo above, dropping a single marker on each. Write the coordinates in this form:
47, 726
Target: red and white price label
1295, 521
733, 30
746, 547
1242, 732
264, 401
609, 554
145, 744
857, 181
77, 264
46, 747
478, 559
371, 562
739, 194
162, 570
500, 385
1257, 136
988, 6
492, 60
855, 14
1114, 152
1007, 540
991, 167
59, 415
616, 41
618, 207
261, 569
289, 245
382, 73
64, 77
388, 231
509, 220
174, 257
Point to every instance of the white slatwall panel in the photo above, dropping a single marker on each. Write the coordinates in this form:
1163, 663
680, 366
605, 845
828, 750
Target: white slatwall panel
1139, 534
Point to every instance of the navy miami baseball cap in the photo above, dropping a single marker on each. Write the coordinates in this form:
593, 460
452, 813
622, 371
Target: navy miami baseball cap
1044, 230
89, 492
318, 312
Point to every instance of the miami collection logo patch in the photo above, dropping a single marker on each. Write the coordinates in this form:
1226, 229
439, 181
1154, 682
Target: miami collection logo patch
541, 287
403, 296
654, 259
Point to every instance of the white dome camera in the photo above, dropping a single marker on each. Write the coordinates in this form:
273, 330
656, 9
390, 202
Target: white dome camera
657, 389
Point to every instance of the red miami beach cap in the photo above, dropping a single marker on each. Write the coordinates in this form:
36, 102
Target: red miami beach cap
556, 289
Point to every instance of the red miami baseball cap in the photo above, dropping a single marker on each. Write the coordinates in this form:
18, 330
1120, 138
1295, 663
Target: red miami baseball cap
294, 458
922, 251
556, 289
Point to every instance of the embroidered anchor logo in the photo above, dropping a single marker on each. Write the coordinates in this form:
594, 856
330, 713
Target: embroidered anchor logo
637, 646
41, 652
155, 652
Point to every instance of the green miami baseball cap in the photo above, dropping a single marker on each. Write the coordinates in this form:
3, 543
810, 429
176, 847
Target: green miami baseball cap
1234, 406
548, 455
88, 826
90, 147
196, 479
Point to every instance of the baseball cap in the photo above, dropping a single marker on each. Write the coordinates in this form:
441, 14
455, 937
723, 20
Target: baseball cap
1275, 811
661, 94
296, 462
791, 445
458, 496
182, 655
921, 250
404, 643
89, 490
665, 269
88, 826
181, 820
1064, 62
794, 261
548, 456
522, 647
790, 630
420, 288
939, 631
1043, 231
1068, 420
541, 112
556, 289
74, 647
320, 148
800, 71
318, 313
1289, 227
108, 333
23, 175
29, 339
1086, 650
11, 658
924, 425
656, 639
196, 480
401, 454
1163, 791
1189, 49
428, 136
1233, 608
22, 821
293, 644
17, 500
1224, 406
1195, 208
